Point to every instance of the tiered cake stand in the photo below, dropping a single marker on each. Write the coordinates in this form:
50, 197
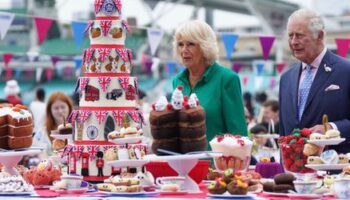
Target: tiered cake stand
10, 159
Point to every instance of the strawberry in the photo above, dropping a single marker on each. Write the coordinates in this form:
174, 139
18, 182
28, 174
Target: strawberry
305, 132
169, 106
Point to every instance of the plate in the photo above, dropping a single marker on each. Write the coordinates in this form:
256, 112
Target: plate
305, 196
16, 193
173, 193
125, 140
131, 194
61, 136
73, 191
276, 194
128, 163
327, 166
227, 195
42, 187
274, 136
327, 141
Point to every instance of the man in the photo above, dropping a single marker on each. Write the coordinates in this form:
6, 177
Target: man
271, 116
319, 84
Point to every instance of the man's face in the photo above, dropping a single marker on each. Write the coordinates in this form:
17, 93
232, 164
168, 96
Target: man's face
302, 42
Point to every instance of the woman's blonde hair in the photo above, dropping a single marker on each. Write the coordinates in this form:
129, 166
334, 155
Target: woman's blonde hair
50, 121
201, 33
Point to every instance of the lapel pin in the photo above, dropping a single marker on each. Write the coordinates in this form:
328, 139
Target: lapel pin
327, 69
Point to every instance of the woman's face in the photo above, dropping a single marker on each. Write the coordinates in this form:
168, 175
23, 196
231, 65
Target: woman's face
59, 109
190, 53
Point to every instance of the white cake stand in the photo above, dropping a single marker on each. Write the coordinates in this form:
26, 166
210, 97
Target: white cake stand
10, 159
183, 164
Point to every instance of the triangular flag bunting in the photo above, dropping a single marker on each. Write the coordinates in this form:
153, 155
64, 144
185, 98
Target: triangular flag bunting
245, 80
7, 57
32, 55
49, 73
54, 60
266, 44
229, 40
42, 27
258, 81
280, 67
260, 68
78, 29
39, 71
154, 38
343, 46
273, 83
5, 21
171, 67
236, 67
18, 73
152, 3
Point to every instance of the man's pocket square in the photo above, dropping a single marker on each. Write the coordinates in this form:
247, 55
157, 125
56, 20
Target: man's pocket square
332, 87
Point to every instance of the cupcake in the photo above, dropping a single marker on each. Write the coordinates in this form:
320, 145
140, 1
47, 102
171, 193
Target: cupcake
237, 187
213, 174
217, 187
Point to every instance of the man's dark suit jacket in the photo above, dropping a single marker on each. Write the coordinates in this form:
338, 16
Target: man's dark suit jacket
334, 70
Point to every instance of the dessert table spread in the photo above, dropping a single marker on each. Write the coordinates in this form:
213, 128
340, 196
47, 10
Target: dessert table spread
46, 193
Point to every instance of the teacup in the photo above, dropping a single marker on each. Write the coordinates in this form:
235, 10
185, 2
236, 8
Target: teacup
72, 181
170, 180
341, 188
305, 187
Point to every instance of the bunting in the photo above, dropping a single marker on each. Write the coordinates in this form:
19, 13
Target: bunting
342, 46
124, 82
105, 26
49, 74
42, 26
104, 82
154, 38
100, 115
229, 40
280, 67
236, 67
78, 33
118, 116
6, 20
266, 44
84, 115
83, 83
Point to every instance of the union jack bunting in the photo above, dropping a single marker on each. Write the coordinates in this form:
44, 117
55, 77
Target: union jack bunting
142, 118
104, 82
118, 116
105, 26
66, 150
134, 115
88, 54
92, 150
73, 116
90, 23
126, 25
83, 83
119, 5
124, 54
104, 53
80, 151
84, 115
124, 82
100, 115
98, 4
129, 54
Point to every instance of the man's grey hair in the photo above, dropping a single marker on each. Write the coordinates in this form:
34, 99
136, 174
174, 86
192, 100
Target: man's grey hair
316, 23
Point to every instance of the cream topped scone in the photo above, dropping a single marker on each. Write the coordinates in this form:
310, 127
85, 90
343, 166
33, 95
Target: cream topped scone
343, 159
332, 134
317, 136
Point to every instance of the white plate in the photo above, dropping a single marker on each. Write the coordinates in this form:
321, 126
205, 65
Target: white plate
16, 193
173, 193
327, 166
227, 195
131, 194
274, 136
276, 194
125, 140
305, 196
73, 191
327, 141
62, 136
128, 163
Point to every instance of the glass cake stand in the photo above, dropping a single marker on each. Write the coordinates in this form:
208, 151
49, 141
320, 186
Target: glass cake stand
9, 159
183, 164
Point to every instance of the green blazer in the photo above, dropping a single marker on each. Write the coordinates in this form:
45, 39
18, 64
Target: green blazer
219, 93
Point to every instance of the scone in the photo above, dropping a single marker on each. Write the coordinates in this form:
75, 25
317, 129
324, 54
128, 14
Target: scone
311, 149
317, 136
343, 159
332, 134
314, 160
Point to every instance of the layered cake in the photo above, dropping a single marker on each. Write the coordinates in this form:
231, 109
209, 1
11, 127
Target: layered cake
178, 126
16, 127
236, 151
107, 97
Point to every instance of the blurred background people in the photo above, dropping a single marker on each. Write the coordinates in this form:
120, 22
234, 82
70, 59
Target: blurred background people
58, 108
38, 107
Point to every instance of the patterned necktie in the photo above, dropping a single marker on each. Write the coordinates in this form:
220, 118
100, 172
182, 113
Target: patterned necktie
304, 90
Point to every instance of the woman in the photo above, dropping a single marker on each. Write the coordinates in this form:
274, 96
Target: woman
218, 88
59, 106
